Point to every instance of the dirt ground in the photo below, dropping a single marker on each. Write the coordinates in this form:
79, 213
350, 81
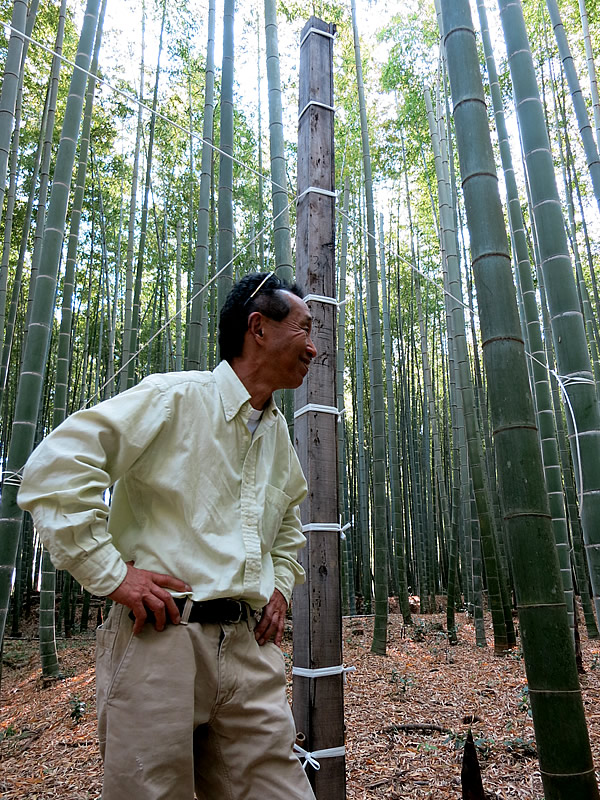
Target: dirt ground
407, 715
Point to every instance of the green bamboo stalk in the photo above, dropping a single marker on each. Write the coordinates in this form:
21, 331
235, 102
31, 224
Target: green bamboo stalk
561, 733
282, 240
178, 324
363, 494
579, 106
129, 279
375, 358
568, 331
10, 86
437, 454
31, 379
261, 205
9, 328
344, 509
564, 454
579, 562
225, 246
45, 166
465, 386
14, 154
137, 290
197, 345
48, 653
64, 337
397, 532
591, 68
582, 290
532, 332
478, 617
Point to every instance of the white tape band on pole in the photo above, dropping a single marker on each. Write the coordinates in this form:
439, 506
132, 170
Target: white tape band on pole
311, 758
316, 30
316, 407
315, 103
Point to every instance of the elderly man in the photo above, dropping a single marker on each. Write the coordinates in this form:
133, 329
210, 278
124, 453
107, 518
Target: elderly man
198, 552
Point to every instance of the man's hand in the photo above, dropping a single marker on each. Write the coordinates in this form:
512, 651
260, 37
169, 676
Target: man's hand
272, 620
143, 590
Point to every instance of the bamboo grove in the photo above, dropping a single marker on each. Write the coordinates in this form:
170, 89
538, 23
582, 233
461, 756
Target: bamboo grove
141, 173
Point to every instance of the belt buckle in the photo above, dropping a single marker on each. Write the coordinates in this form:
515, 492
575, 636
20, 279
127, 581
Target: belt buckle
240, 612
184, 616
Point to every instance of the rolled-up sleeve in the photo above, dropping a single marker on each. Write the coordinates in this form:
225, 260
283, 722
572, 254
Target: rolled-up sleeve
66, 480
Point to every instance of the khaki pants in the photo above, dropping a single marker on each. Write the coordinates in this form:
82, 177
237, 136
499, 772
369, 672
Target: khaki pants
194, 708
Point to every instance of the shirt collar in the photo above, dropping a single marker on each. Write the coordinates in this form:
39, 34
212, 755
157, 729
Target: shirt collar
234, 394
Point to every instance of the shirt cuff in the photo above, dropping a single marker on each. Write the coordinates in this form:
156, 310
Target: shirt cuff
286, 579
101, 571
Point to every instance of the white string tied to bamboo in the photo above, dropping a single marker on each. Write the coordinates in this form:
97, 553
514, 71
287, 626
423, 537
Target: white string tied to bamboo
572, 380
311, 757
12, 478
345, 527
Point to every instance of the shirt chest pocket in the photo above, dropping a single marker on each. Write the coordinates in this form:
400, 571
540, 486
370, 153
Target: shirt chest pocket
275, 505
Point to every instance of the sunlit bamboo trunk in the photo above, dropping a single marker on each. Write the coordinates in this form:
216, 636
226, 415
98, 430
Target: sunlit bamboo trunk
561, 733
568, 329
375, 358
583, 120
282, 240
32, 374
465, 386
225, 213
533, 331
197, 343
10, 86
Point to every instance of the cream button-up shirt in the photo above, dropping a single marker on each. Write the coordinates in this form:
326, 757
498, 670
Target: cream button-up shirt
196, 495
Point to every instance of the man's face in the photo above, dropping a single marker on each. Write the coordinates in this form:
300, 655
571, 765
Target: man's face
289, 344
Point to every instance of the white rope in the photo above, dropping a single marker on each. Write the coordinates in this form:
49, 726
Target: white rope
564, 381
316, 407
321, 299
315, 190
315, 103
344, 528
319, 32
311, 757
322, 672
320, 527
12, 478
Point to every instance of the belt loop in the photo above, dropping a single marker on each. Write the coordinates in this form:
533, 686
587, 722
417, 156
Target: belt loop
187, 610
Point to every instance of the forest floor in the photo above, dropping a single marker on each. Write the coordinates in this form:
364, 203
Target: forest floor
407, 715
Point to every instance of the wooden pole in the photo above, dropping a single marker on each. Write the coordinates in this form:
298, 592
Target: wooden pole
318, 700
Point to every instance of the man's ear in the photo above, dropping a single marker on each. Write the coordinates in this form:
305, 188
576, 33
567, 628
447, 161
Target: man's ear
255, 324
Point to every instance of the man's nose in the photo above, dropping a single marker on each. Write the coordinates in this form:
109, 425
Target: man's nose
310, 347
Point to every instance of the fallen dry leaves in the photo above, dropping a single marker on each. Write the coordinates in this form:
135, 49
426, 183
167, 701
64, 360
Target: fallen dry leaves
406, 716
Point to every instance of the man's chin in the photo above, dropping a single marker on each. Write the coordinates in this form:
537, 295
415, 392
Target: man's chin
295, 384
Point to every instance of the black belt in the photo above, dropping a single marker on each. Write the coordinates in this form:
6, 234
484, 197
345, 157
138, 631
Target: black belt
225, 611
